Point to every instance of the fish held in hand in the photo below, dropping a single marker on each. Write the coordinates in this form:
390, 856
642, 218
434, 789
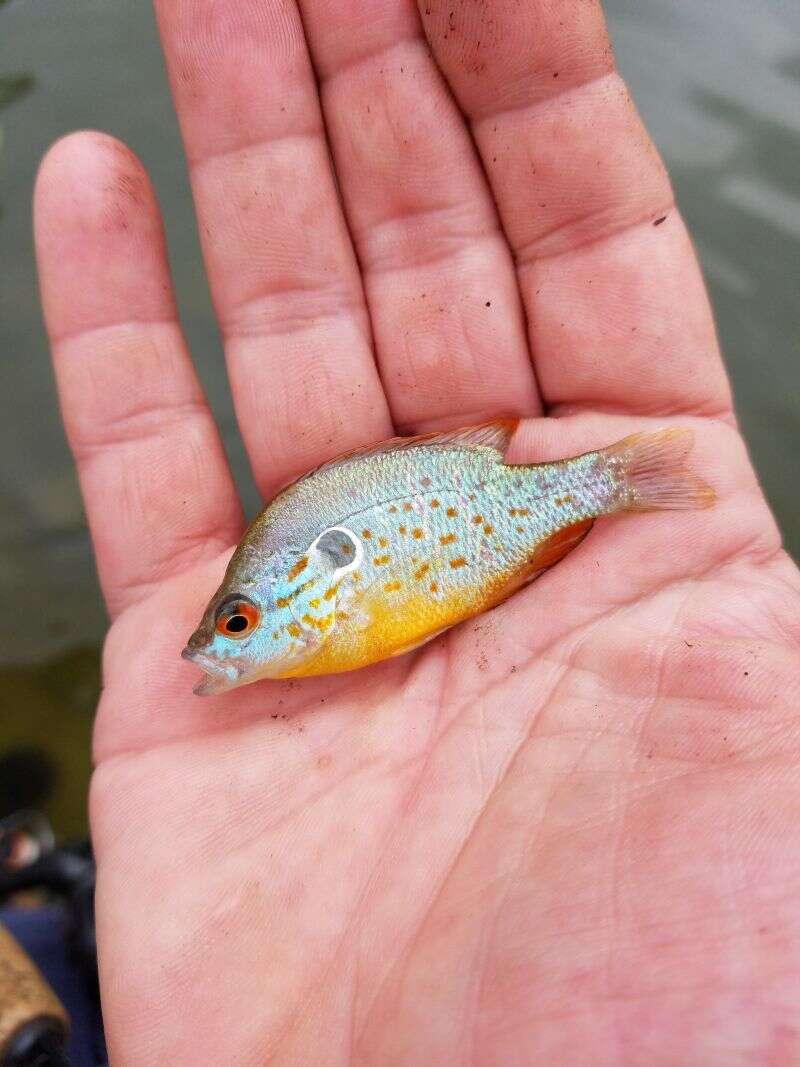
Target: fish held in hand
378, 551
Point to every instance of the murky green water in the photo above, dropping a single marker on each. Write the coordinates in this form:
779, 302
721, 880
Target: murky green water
718, 83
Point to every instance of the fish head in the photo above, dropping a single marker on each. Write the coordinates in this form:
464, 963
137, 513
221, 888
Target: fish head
267, 620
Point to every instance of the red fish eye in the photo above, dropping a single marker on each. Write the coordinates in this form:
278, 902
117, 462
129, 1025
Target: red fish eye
237, 619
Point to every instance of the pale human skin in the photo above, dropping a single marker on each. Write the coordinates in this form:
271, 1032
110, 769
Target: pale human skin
566, 833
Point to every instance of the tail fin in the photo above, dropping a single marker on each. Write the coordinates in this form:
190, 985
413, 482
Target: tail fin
653, 469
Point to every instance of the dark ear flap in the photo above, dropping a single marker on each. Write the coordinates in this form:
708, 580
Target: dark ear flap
338, 548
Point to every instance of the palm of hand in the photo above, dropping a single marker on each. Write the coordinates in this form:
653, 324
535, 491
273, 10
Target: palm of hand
569, 824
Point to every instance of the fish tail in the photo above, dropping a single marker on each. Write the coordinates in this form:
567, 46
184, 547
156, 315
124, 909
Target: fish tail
654, 474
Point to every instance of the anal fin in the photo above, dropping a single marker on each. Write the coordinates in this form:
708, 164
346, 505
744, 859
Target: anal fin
557, 545
547, 552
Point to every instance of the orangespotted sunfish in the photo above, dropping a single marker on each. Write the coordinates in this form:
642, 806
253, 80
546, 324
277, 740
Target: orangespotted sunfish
380, 550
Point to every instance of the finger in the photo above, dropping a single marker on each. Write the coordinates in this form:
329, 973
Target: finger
445, 307
618, 312
281, 266
155, 481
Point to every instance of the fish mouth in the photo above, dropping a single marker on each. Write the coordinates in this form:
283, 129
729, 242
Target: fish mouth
218, 677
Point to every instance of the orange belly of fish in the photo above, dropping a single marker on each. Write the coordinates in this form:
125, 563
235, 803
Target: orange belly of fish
396, 623
404, 619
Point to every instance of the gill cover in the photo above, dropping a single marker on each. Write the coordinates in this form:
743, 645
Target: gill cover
315, 594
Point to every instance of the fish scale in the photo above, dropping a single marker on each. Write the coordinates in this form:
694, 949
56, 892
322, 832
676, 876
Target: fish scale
378, 551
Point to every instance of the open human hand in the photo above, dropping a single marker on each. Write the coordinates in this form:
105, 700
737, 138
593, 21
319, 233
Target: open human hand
564, 833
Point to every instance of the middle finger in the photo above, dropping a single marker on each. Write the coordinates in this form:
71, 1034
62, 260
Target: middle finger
445, 306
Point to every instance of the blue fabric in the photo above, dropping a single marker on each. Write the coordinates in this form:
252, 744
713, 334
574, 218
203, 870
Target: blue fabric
41, 932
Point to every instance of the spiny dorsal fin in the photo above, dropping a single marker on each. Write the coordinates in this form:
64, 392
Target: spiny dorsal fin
495, 435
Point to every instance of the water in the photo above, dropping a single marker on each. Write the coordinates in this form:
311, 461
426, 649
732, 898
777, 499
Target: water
718, 84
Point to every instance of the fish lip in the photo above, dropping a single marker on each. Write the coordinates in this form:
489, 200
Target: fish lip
203, 660
217, 676
208, 686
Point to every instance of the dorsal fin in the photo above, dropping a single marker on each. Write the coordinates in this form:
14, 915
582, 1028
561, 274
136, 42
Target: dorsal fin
495, 435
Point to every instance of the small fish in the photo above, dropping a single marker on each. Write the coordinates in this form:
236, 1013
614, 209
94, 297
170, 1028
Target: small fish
378, 551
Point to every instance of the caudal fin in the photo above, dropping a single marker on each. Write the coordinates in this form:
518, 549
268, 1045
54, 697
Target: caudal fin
652, 467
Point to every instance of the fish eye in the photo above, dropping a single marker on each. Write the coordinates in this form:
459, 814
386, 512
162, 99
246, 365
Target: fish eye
237, 618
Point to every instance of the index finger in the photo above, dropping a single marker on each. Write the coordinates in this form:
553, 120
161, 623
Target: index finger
619, 318
158, 493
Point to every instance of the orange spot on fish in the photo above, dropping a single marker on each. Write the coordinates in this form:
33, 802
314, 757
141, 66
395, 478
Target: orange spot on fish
459, 561
434, 587
392, 509
285, 601
421, 571
298, 568
402, 529
293, 629
314, 603
478, 520
382, 542
366, 533
520, 529
417, 533
330, 592
381, 561
392, 587
447, 539
452, 512
523, 512
407, 506
434, 503
488, 528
